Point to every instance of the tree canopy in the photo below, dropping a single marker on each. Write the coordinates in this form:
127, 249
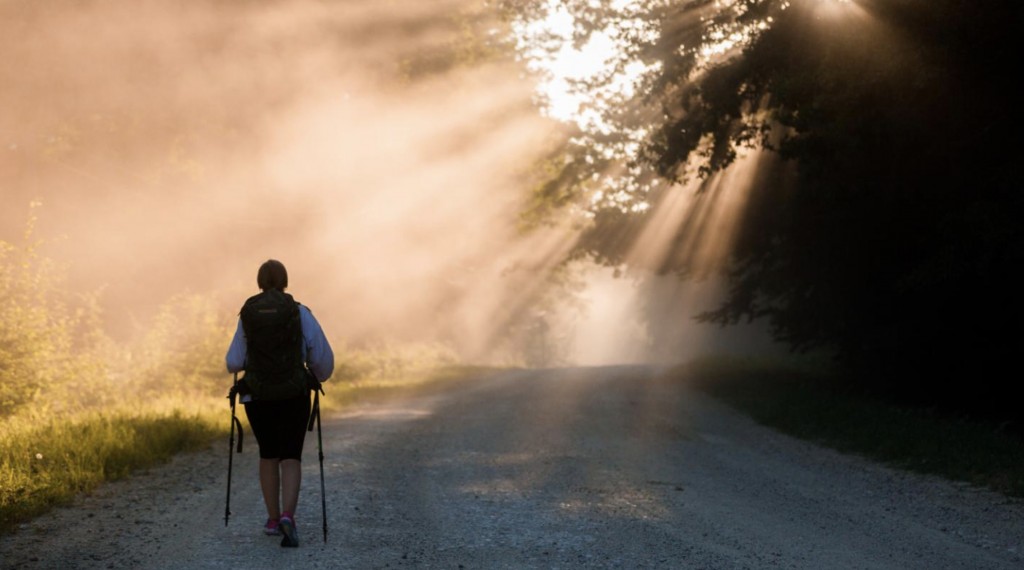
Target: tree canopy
888, 229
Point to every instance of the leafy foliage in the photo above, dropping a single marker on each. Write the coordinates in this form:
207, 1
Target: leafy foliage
56, 359
183, 351
895, 245
888, 233
36, 326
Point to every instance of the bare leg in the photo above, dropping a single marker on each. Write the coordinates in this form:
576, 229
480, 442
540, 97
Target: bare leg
270, 484
291, 479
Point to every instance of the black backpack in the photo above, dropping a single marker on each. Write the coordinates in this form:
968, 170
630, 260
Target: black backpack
274, 369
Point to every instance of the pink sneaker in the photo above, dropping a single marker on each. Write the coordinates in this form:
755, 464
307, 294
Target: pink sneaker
272, 528
287, 526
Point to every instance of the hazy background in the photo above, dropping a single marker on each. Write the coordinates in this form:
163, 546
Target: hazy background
381, 149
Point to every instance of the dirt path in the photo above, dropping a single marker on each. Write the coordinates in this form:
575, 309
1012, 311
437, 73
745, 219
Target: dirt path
594, 468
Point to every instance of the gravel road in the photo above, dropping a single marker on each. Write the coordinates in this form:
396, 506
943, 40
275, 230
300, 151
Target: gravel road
577, 468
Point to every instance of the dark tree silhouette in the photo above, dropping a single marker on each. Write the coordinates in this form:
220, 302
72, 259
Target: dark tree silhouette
891, 233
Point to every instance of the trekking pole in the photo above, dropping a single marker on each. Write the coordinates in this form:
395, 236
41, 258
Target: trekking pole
231, 445
320, 449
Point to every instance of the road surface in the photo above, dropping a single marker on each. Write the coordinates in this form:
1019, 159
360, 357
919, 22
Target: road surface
577, 468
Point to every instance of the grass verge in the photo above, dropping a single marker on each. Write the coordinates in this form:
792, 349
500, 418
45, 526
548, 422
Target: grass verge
47, 464
810, 406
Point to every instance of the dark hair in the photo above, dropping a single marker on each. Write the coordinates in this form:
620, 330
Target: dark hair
272, 275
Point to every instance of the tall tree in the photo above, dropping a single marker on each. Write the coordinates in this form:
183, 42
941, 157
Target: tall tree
891, 233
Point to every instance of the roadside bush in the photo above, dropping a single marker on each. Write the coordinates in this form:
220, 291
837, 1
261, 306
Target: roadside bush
183, 351
35, 324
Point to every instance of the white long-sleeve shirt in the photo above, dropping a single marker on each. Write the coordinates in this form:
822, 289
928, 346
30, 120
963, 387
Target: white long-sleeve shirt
316, 351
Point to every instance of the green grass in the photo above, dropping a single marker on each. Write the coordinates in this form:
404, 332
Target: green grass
811, 406
48, 464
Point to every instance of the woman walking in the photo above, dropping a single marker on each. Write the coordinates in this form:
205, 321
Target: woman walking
284, 354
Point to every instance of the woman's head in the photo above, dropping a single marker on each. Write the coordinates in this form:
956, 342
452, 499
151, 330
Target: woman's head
272, 275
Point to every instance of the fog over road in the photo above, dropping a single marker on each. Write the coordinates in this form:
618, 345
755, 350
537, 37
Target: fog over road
577, 468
